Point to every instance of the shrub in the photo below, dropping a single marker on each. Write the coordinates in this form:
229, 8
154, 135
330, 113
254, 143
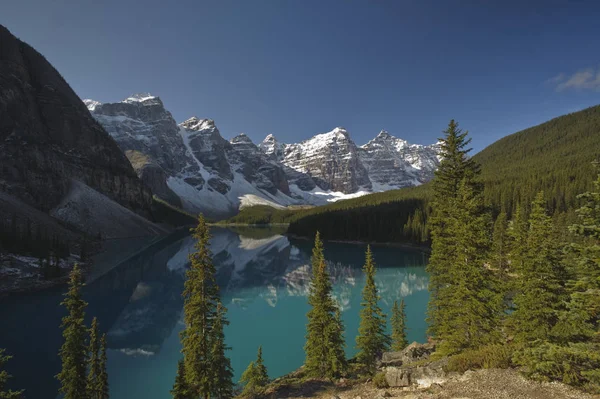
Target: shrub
575, 364
486, 357
379, 380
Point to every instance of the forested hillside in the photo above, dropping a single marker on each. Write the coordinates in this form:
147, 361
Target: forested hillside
555, 157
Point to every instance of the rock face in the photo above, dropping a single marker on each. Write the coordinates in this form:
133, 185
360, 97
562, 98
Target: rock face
330, 159
193, 166
48, 138
391, 161
401, 370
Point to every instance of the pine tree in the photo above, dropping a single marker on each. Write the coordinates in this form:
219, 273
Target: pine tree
464, 305
103, 392
180, 388
474, 299
221, 384
540, 295
255, 377
454, 167
93, 381
372, 339
324, 346
500, 244
73, 352
399, 338
4, 377
207, 370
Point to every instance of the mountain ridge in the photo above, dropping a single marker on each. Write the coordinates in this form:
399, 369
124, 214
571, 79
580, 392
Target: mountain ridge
204, 172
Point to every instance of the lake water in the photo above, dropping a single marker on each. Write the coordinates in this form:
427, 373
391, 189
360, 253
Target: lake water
264, 279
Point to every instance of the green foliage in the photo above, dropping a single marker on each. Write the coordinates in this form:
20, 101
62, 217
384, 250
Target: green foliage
465, 305
574, 364
324, 346
103, 376
554, 157
207, 370
180, 389
541, 293
486, 357
263, 215
372, 339
73, 352
222, 373
4, 377
94, 387
399, 339
379, 381
255, 378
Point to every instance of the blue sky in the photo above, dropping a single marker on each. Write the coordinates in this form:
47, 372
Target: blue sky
301, 67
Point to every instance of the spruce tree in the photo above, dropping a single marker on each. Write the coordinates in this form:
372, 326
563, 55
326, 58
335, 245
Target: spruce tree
73, 352
399, 338
540, 294
454, 167
372, 339
94, 365
221, 384
464, 306
180, 388
255, 377
207, 370
473, 295
324, 346
4, 377
103, 392
500, 244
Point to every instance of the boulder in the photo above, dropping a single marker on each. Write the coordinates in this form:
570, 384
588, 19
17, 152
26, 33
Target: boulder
411, 353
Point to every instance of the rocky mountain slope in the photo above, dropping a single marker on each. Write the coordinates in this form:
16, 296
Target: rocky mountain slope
49, 143
191, 165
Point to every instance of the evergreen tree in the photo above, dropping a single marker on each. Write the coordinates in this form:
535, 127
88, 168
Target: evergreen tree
73, 352
540, 293
372, 339
454, 167
4, 377
399, 338
207, 370
93, 378
255, 377
221, 384
474, 302
500, 244
103, 375
180, 388
324, 346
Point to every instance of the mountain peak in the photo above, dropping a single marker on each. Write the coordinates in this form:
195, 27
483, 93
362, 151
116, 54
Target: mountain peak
91, 104
241, 138
140, 98
195, 123
383, 134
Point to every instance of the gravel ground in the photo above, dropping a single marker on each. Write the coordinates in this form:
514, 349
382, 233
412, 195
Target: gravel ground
481, 384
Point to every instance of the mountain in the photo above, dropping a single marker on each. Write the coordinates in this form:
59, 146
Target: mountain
56, 159
555, 157
192, 166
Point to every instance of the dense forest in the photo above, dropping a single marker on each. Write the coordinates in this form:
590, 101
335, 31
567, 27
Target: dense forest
555, 157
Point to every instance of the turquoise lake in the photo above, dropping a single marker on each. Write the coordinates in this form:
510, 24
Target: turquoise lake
264, 279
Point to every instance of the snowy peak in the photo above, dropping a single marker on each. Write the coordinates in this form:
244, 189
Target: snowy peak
241, 138
197, 124
91, 104
142, 98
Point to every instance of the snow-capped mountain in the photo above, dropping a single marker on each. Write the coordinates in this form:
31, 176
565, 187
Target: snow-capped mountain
191, 165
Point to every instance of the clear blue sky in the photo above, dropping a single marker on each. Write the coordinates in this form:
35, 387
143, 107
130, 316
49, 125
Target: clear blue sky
295, 68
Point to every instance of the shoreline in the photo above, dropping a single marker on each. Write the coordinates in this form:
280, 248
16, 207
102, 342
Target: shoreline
423, 248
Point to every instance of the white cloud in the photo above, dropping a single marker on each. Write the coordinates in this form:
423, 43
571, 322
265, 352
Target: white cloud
585, 79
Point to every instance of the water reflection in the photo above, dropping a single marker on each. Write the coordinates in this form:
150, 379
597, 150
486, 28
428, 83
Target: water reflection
264, 278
